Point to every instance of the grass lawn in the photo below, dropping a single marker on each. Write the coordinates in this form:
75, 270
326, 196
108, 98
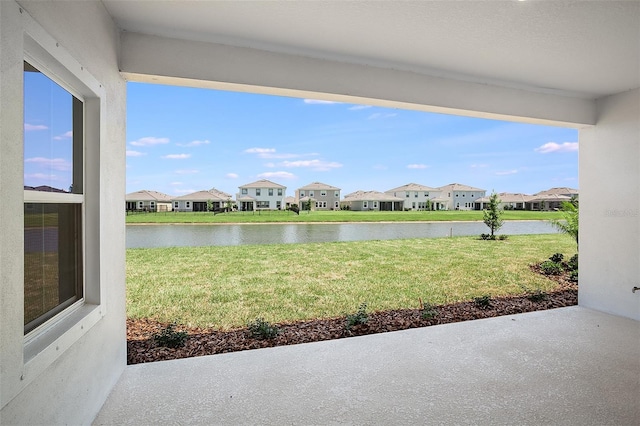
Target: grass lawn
329, 216
225, 287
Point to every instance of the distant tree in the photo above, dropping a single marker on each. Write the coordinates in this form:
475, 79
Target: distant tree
307, 204
428, 207
492, 216
209, 205
229, 205
569, 223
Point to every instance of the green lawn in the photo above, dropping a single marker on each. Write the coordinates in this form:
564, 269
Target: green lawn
225, 287
329, 216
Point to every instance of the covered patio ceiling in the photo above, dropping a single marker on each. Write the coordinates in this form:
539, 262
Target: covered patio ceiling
576, 49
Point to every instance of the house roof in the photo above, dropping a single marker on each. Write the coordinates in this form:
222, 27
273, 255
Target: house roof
245, 198
212, 194
370, 196
263, 183
459, 187
289, 200
507, 197
317, 186
412, 187
550, 197
145, 195
561, 191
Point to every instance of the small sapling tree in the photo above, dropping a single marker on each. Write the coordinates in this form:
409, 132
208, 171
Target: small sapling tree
492, 216
569, 224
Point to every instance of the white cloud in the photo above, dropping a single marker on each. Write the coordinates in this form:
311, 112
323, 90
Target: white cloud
32, 127
506, 172
186, 172
379, 115
53, 163
231, 176
66, 135
259, 150
270, 165
41, 176
359, 107
270, 153
149, 141
318, 165
195, 143
319, 102
277, 175
417, 166
132, 153
557, 147
478, 166
176, 156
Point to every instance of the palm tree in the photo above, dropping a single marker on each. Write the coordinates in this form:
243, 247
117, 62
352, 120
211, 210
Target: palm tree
569, 223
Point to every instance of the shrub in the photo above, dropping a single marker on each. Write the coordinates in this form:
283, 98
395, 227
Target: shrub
556, 257
360, 317
573, 276
261, 329
170, 338
572, 264
537, 295
549, 267
483, 302
427, 310
502, 237
484, 236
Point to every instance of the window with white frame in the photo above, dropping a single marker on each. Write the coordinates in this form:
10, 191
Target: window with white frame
279, 192
415, 195
337, 204
188, 204
323, 193
175, 205
258, 191
262, 205
301, 194
53, 198
270, 192
365, 205
375, 204
336, 194
310, 193
244, 191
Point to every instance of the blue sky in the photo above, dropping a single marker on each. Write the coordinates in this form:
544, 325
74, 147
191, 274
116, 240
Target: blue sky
181, 140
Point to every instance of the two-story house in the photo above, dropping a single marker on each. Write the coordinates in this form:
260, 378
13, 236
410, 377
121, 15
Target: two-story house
323, 196
261, 195
197, 201
416, 196
456, 196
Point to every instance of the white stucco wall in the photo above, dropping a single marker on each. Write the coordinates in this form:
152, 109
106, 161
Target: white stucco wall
610, 207
63, 381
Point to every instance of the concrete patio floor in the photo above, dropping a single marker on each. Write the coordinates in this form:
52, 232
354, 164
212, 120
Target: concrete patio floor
569, 366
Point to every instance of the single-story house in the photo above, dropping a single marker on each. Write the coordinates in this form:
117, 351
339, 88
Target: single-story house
372, 200
148, 201
197, 201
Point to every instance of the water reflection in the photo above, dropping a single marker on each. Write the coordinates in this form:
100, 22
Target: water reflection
147, 236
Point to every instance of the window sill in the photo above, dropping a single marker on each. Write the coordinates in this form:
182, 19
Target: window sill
44, 345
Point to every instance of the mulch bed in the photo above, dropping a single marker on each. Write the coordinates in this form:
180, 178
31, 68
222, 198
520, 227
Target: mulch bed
141, 347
